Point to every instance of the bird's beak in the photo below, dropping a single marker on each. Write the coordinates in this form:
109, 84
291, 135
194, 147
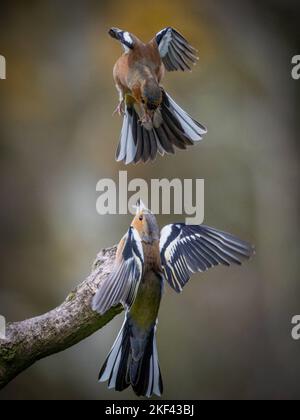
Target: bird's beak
140, 206
113, 32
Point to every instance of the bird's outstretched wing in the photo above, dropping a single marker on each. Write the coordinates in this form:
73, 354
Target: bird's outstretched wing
175, 51
187, 249
122, 284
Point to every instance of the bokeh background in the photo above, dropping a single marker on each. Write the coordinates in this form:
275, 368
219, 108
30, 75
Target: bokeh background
229, 334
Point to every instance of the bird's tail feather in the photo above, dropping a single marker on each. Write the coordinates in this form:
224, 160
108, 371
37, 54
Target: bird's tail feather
114, 369
176, 129
133, 360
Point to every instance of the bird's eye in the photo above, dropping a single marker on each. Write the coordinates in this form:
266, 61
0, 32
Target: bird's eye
143, 101
141, 218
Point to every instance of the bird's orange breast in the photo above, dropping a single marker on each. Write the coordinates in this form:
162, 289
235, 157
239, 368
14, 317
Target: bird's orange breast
133, 68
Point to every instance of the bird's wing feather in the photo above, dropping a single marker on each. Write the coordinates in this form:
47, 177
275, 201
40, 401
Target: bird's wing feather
175, 51
122, 284
187, 249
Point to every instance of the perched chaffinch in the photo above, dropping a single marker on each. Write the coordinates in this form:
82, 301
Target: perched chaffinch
153, 122
146, 258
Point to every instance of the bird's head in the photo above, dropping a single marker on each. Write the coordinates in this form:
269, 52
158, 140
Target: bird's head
126, 39
151, 95
145, 223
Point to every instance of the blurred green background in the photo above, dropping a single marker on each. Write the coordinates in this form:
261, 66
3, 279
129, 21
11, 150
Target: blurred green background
229, 334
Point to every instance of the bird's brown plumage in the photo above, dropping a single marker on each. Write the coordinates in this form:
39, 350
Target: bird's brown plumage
153, 122
132, 70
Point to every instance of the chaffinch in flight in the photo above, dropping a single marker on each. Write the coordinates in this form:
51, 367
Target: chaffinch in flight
153, 122
146, 258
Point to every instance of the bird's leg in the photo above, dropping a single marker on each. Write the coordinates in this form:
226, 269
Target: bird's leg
146, 118
120, 109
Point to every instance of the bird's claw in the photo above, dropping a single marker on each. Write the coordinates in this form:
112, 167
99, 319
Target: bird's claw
146, 121
120, 110
146, 118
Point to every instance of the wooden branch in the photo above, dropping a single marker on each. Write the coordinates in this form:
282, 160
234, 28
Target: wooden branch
29, 341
